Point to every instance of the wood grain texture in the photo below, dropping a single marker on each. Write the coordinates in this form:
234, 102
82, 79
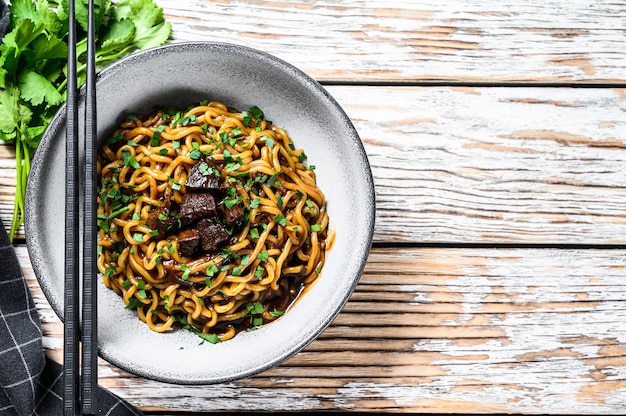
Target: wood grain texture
482, 165
426, 40
446, 330
436, 330
492, 165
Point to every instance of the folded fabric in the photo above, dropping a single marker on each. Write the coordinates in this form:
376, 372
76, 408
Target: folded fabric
31, 384
4, 18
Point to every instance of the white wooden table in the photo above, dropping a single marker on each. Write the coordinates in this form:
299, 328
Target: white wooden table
496, 132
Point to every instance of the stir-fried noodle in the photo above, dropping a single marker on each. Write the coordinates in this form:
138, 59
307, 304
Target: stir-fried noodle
209, 219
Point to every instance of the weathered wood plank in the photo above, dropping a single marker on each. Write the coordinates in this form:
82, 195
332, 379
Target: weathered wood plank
482, 165
436, 330
426, 40
467, 165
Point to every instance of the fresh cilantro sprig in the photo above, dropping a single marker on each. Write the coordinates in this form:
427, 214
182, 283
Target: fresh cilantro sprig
33, 65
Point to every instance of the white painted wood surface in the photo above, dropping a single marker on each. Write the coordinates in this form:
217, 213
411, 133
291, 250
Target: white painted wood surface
464, 148
421, 40
437, 330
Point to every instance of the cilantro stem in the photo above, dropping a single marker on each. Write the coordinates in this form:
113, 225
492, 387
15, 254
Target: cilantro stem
80, 69
22, 167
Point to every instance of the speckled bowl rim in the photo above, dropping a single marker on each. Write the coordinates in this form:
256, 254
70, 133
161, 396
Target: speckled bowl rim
36, 251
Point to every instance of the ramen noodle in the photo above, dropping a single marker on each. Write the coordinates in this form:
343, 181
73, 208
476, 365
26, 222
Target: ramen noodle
209, 219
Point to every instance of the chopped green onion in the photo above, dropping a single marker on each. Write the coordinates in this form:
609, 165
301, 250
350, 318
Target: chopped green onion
156, 136
118, 212
256, 308
115, 139
231, 202
281, 220
258, 273
129, 160
272, 179
233, 166
256, 112
186, 271
263, 256
276, 313
133, 303
195, 154
211, 270
268, 141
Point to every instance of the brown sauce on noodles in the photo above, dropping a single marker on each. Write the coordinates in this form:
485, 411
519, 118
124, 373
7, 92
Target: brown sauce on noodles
209, 219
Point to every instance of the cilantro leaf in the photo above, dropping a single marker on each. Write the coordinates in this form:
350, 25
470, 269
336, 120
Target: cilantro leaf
117, 37
12, 111
151, 28
36, 89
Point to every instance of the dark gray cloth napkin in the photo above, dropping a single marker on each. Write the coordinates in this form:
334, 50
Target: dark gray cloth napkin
4, 18
31, 384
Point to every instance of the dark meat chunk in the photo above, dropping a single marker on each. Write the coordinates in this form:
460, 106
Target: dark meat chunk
197, 206
204, 177
161, 220
211, 234
188, 240
232, 216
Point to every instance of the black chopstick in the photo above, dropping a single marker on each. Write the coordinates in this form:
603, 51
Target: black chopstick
86, 397
89, 375
70, 314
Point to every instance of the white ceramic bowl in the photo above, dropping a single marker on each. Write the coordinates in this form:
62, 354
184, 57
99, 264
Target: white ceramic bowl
178, 75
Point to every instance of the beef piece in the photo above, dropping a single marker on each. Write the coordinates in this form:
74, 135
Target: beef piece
161, 220
204, 177
188, 240
232, 216
197, 206
211, 234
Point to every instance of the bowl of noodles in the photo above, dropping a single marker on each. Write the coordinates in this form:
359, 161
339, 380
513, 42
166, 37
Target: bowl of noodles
235, 212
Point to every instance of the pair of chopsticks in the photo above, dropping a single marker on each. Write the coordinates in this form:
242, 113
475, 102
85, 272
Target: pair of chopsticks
80, 370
